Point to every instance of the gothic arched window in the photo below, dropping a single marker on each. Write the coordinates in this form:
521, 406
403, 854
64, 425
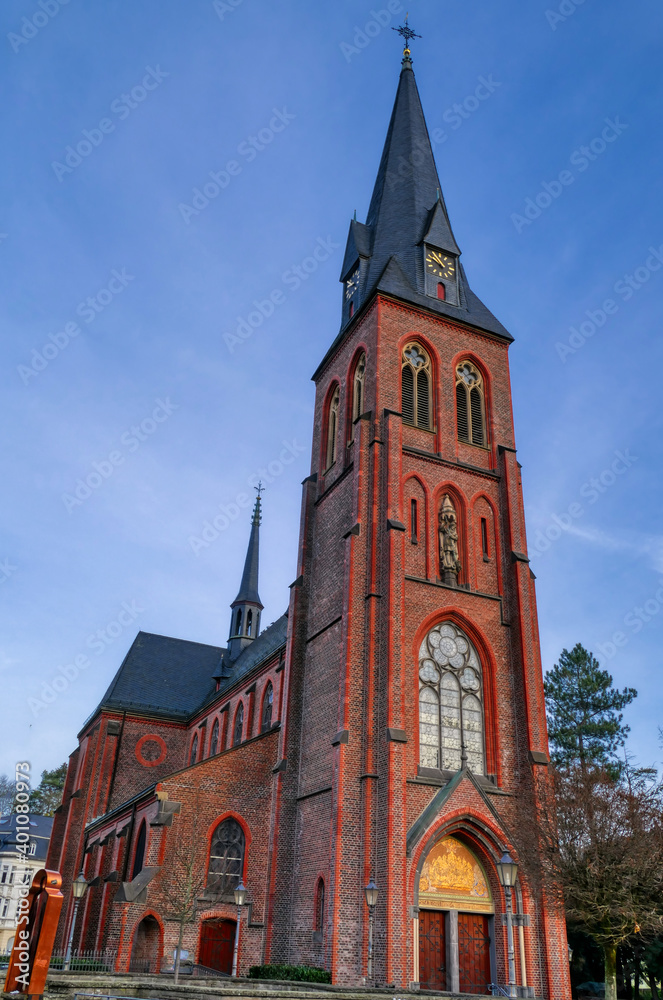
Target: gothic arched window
358, 391
267, 702
214, 742
139, 853
238, 627
332, 427
226, 859
416, 387
249, 622
470, 404
450, 701
193, 756
238, 728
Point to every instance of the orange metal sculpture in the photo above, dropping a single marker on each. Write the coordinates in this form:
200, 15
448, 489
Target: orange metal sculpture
37, 923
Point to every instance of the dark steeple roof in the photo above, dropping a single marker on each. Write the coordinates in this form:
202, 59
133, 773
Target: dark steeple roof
248, 588
407, 210
406, 189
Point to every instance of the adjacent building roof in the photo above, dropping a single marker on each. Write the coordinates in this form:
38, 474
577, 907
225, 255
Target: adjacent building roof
40, 833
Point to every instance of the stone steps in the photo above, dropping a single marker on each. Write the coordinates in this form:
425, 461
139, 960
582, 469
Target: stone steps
66, 985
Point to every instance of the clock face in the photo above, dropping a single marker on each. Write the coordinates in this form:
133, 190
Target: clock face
439, 264
352, 284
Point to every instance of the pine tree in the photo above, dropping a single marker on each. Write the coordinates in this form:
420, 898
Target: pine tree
585, 725
46, 798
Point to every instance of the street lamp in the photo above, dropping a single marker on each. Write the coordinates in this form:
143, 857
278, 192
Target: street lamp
78, 888
240, 898
371, 893
507, 870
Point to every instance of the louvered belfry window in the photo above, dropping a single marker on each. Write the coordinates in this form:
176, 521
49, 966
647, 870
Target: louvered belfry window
416, 387
470, 404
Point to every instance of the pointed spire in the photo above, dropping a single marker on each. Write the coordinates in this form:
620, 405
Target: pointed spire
246, 608
248, 589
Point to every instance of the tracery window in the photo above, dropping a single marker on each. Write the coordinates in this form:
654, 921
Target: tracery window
450, 701
239, 725
214, 742
416, 387
470, 404
226, 860
332, 427
358, 390
267, 702
193, 756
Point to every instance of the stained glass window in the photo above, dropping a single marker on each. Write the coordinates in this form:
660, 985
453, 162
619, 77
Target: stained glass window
450, 701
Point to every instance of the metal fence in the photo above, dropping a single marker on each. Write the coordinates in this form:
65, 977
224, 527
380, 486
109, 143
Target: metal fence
86, 961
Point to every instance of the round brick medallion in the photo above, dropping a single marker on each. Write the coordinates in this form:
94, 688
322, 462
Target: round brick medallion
150, 750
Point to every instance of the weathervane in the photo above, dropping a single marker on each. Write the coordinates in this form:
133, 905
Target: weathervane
259, 488
407, 34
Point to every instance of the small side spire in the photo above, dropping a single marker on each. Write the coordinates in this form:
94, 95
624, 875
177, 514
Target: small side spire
246, 608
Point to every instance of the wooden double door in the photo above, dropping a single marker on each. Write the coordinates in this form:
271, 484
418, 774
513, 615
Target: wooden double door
446, 953
217, 939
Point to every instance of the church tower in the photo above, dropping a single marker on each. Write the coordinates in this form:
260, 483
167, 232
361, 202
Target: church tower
415, 720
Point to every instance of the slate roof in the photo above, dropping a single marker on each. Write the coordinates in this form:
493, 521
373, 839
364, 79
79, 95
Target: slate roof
262, 647
40, 833
164, 675
407, 207
175, 677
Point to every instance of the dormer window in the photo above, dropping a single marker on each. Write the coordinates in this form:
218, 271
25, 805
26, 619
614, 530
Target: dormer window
441, 273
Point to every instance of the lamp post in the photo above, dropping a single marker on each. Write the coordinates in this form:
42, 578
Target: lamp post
371, 892
507, 869
78, 887
240, 898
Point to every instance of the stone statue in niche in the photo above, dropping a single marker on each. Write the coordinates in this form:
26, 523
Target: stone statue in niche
448, 532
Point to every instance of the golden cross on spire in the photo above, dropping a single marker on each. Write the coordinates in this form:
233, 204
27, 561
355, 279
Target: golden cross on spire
407, 34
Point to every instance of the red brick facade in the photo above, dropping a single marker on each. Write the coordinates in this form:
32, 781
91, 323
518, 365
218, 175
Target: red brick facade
334, 793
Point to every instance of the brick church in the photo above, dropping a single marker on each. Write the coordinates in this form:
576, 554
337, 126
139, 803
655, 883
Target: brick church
383, 727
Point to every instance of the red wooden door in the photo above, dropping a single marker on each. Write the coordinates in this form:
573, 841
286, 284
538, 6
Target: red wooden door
432, 950
217, 938
474, 952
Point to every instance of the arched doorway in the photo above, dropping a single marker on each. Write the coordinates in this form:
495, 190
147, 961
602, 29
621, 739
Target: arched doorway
217, 938
145, 952
456, 921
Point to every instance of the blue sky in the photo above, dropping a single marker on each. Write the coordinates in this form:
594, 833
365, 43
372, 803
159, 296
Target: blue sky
119, 305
